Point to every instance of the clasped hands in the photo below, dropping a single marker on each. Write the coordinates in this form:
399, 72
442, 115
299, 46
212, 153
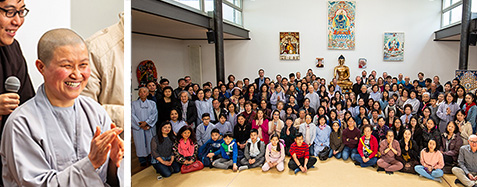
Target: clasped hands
144, 125
107, 142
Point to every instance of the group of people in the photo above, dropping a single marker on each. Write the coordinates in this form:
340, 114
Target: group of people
54, 137
387, 122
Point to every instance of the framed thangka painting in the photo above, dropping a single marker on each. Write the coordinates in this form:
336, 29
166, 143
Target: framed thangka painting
341, 25
394, 46
289, 46
468, 79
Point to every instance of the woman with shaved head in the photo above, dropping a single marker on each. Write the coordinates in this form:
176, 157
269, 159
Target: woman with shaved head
59, 138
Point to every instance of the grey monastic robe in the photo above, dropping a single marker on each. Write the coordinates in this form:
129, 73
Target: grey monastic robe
37, 150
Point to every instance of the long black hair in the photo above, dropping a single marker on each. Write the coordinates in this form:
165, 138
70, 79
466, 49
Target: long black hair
278, 144
160, 138
191, 137
427, 146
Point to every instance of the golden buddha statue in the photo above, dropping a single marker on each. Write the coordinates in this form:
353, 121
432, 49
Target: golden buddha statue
343, 75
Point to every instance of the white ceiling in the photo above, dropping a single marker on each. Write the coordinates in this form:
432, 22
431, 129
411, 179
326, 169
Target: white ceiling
155, 25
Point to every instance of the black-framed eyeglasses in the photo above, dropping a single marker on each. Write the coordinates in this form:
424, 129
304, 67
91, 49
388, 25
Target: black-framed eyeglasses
11, 13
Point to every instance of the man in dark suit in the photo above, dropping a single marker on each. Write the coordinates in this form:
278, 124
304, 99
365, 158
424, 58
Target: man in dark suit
188, 109
217, 110
182, 84
261, 79
357, 85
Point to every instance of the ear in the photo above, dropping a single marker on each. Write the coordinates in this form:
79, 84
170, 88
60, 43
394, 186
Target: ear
40, 65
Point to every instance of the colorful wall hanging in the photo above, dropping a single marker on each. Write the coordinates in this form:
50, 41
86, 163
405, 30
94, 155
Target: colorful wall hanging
393, 46
289, 46
341, 24
146, 71
468, 79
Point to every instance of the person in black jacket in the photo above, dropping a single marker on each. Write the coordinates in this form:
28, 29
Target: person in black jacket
188, 108
241, 132
217, 110
409, 152
165, 104
260, 79
288, 134
357, 85
364, 93
430, 132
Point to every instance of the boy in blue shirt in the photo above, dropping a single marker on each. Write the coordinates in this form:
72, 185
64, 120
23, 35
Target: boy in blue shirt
228, 151
212, 145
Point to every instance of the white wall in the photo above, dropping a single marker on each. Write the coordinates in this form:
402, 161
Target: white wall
90, 16
418, 19
80, 15
170, 57
43, 16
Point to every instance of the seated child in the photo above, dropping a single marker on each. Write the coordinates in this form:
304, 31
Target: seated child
212, 145
288, 134
254, 152
204, 129
301, 159
223, 125
275, 153
185, 149
229, 152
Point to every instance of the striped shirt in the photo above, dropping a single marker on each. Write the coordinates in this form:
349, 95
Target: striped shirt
301, 151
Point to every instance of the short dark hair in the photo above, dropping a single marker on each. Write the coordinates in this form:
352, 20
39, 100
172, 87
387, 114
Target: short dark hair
181, 79
408, 106
228, 134
299, 134
215, 130
205, 115
457, 79
222, 115
163, 81
150, 82
367, 126
253, 131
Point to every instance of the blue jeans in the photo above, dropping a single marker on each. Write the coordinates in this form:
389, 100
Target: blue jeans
363, 164
338, 155
347, 152
166, 171
436, 173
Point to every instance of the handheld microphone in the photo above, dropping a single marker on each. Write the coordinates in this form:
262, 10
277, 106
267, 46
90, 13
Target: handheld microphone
12, 84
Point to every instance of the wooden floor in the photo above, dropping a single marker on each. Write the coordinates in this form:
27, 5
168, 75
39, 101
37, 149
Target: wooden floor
135, 165
332, 172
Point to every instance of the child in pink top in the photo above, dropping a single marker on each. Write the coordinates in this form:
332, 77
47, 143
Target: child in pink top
432, 162
274, 154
